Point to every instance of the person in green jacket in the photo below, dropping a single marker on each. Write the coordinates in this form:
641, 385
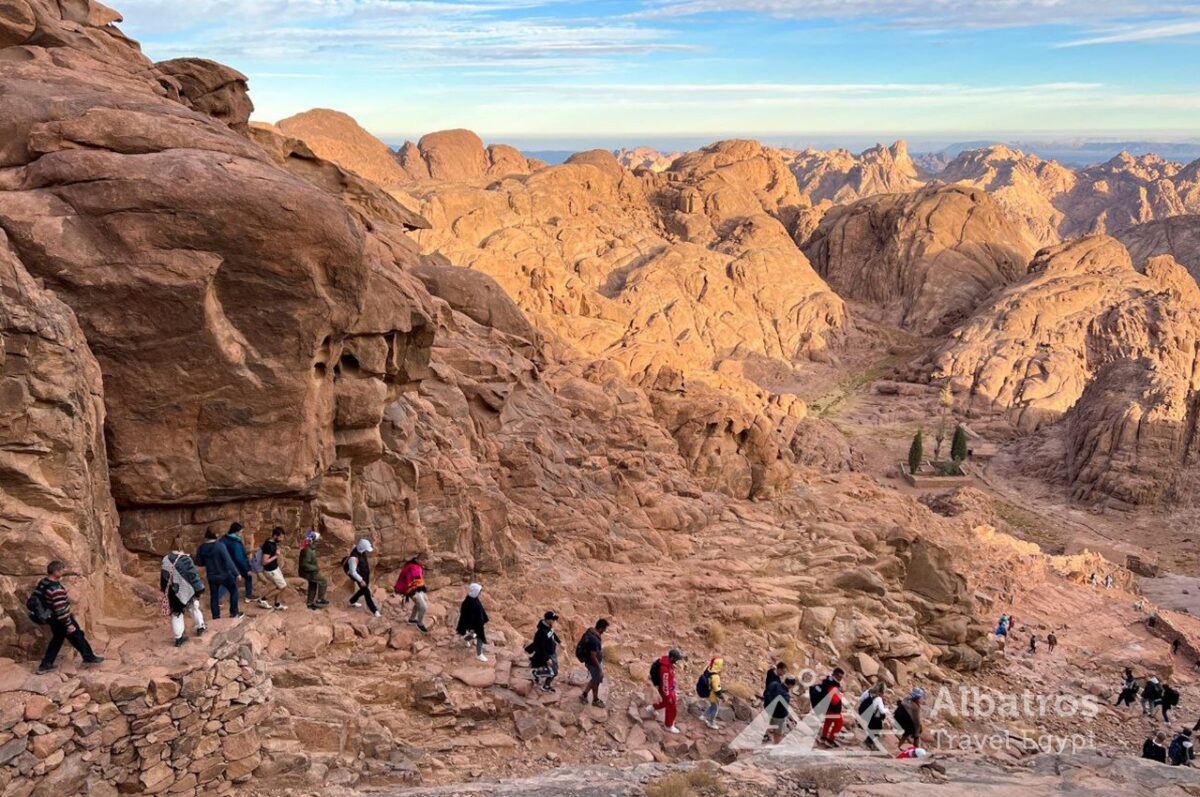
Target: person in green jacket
310, 570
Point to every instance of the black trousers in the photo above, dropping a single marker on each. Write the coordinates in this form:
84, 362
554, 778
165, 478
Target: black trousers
58, 631
365, 592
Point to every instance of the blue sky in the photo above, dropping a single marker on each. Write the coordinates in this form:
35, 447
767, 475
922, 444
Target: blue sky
607, 72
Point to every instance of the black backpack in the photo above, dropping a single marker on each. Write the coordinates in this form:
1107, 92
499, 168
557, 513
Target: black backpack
39, 612
704, 684
581, 650
656, 672
1177, 752
816, 693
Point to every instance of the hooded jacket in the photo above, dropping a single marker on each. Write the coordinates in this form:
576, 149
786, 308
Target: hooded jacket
666, 668
309, 567
543, 646
237, 552
714, 679
358, 563
471, 615
214, 557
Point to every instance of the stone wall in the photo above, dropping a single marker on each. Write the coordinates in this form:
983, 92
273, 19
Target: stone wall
184, 730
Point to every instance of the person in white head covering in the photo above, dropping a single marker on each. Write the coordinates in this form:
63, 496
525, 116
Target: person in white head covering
472, 618
181, 583
358, 566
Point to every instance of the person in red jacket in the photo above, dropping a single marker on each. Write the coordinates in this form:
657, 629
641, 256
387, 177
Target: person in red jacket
668, 701
832, 689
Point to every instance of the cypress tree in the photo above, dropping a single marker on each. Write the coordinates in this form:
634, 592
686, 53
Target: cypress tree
916, 453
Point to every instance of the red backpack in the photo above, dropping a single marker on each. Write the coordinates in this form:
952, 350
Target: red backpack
410, 579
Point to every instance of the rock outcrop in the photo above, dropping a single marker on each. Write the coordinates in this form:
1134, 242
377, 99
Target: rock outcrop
926, 258
645, 158
1178, 237
337, 137
840, 176
461, 155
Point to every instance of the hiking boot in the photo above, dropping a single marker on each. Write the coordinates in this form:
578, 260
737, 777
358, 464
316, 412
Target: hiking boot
200, 631
181, 641
93, 661
46, 668
263, 603
598, 703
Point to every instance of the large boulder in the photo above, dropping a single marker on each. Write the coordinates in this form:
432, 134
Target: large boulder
460, 155
337, 137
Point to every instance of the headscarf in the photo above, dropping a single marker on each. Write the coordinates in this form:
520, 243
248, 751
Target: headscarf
474, 589
916, 694
364, 546
309, 538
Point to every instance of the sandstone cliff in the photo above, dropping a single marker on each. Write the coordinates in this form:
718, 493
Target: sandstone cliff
336, 137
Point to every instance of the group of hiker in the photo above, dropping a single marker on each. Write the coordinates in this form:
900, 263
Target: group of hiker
1156, 695
1008, 623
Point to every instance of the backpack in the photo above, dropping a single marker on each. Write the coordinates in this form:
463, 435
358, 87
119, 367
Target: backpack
346, 563
581, 650
816, 693
704, 684
656, 672
256, 562
864, 705
1177, 752
39, 612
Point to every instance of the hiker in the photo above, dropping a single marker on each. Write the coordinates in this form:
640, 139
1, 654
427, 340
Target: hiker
1140, 605
49, 605
1002, 626
1151, 694
268, 555
590, 651
831, 695
1108, 581
1168, 701
662, 675
1092, 579
358, 566
872, 708
237, 552
1051, 642
709, 687
777, 699
543, 652
220, 571
310, 571
1032, 644
1181, 752
1129, 691
774, 674
411, 586
908, 716
182, 586
1175, 646
1155, 749
472, 618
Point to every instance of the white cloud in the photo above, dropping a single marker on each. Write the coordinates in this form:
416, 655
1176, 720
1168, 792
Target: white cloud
1143, 33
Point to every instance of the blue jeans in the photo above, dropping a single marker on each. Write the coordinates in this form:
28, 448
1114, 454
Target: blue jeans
215, 586
710, 713
249, 579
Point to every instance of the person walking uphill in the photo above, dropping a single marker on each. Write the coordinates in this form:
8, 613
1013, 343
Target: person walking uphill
831, 691
908, 716
358, 567
411, 585
50, 605
543, 652
180, 582
590, 651
709, 686
237, 552
220, 571
777, 698
472, 618
310, 571
662, 675
272, 572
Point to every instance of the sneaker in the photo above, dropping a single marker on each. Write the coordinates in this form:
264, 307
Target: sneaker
263, 603
378, 613
93, 661
46, 668
673, 729
313, 606
411, 621
481, 657
598, 703
279, 607
322, 602
548, 688
181, 641
650, 710
236, 616
355, 605
424, 629
200, 631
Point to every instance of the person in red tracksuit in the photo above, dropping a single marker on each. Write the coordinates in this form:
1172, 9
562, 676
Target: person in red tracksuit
832, 725
666, 690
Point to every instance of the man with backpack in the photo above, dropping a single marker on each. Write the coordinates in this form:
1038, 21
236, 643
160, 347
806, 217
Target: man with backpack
358, 567
49, 605
777, 698
1181, 753
220, 571
268, 558
590, 651
543, 652
237, 552
411, 586
709, 687
830, 694
1168, 701
662, 675
872, 709
182, 586
776, 673
1151, 695
310, 571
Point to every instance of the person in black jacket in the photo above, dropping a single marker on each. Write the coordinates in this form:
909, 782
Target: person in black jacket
63, 625
1151, 695
776, 673
1168, 701
358, 567
472, 618
1156, 749
221, 572
777, 698
543, 652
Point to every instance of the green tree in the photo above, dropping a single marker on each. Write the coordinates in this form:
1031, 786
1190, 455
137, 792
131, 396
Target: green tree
916, 453
958, 445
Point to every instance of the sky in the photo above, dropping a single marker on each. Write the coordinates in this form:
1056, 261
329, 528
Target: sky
616, 72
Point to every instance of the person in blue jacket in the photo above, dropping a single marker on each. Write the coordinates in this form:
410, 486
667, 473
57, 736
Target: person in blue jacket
237, 552
221, 572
